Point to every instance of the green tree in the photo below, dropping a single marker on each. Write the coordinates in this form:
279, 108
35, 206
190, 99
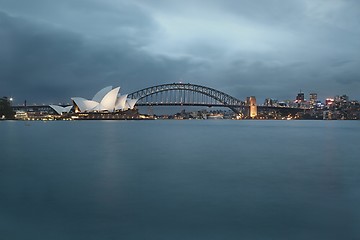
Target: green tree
5, 109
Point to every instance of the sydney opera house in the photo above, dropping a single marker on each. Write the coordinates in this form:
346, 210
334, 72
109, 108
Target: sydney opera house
107, 99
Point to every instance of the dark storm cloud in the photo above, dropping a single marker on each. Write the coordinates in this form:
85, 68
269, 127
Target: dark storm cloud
51, 64
52, 50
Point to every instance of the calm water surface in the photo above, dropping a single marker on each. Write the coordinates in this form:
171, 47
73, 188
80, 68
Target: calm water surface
180, 180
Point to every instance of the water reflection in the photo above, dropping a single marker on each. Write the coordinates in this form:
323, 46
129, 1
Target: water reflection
180, 180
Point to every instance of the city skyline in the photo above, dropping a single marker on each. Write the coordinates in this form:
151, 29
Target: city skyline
267, 49
306, 97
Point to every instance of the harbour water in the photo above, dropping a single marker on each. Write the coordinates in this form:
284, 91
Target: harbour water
196, 179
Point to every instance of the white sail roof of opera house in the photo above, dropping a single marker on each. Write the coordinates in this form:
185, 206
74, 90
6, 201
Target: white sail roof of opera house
121, 102
60, 110
84, 104
107, 99
130, 103
101, 94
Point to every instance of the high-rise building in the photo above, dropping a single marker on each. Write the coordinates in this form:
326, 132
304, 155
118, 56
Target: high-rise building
329, 101
300, 97
313, 98
341, 101
269, 102
344, 98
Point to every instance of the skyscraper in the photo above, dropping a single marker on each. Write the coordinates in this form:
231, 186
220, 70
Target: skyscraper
300, 97
313, 98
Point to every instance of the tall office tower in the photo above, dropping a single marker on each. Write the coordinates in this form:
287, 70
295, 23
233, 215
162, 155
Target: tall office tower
313, 98
300, 97
344, 98
268, 102
329, 101
342, 101
251, 102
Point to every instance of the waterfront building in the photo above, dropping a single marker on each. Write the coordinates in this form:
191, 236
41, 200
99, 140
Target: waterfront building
21, 115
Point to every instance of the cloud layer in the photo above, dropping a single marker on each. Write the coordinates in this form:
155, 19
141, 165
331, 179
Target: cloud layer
53, 50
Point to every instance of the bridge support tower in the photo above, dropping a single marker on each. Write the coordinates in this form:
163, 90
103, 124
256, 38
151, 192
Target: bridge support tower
251, 102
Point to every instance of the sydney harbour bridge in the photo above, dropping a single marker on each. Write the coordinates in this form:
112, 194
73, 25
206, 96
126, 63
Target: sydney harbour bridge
186, 94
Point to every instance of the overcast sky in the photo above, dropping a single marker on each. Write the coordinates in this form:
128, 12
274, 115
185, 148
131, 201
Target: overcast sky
51, 50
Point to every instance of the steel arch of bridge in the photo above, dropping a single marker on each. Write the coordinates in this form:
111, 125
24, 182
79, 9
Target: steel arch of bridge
224, 99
